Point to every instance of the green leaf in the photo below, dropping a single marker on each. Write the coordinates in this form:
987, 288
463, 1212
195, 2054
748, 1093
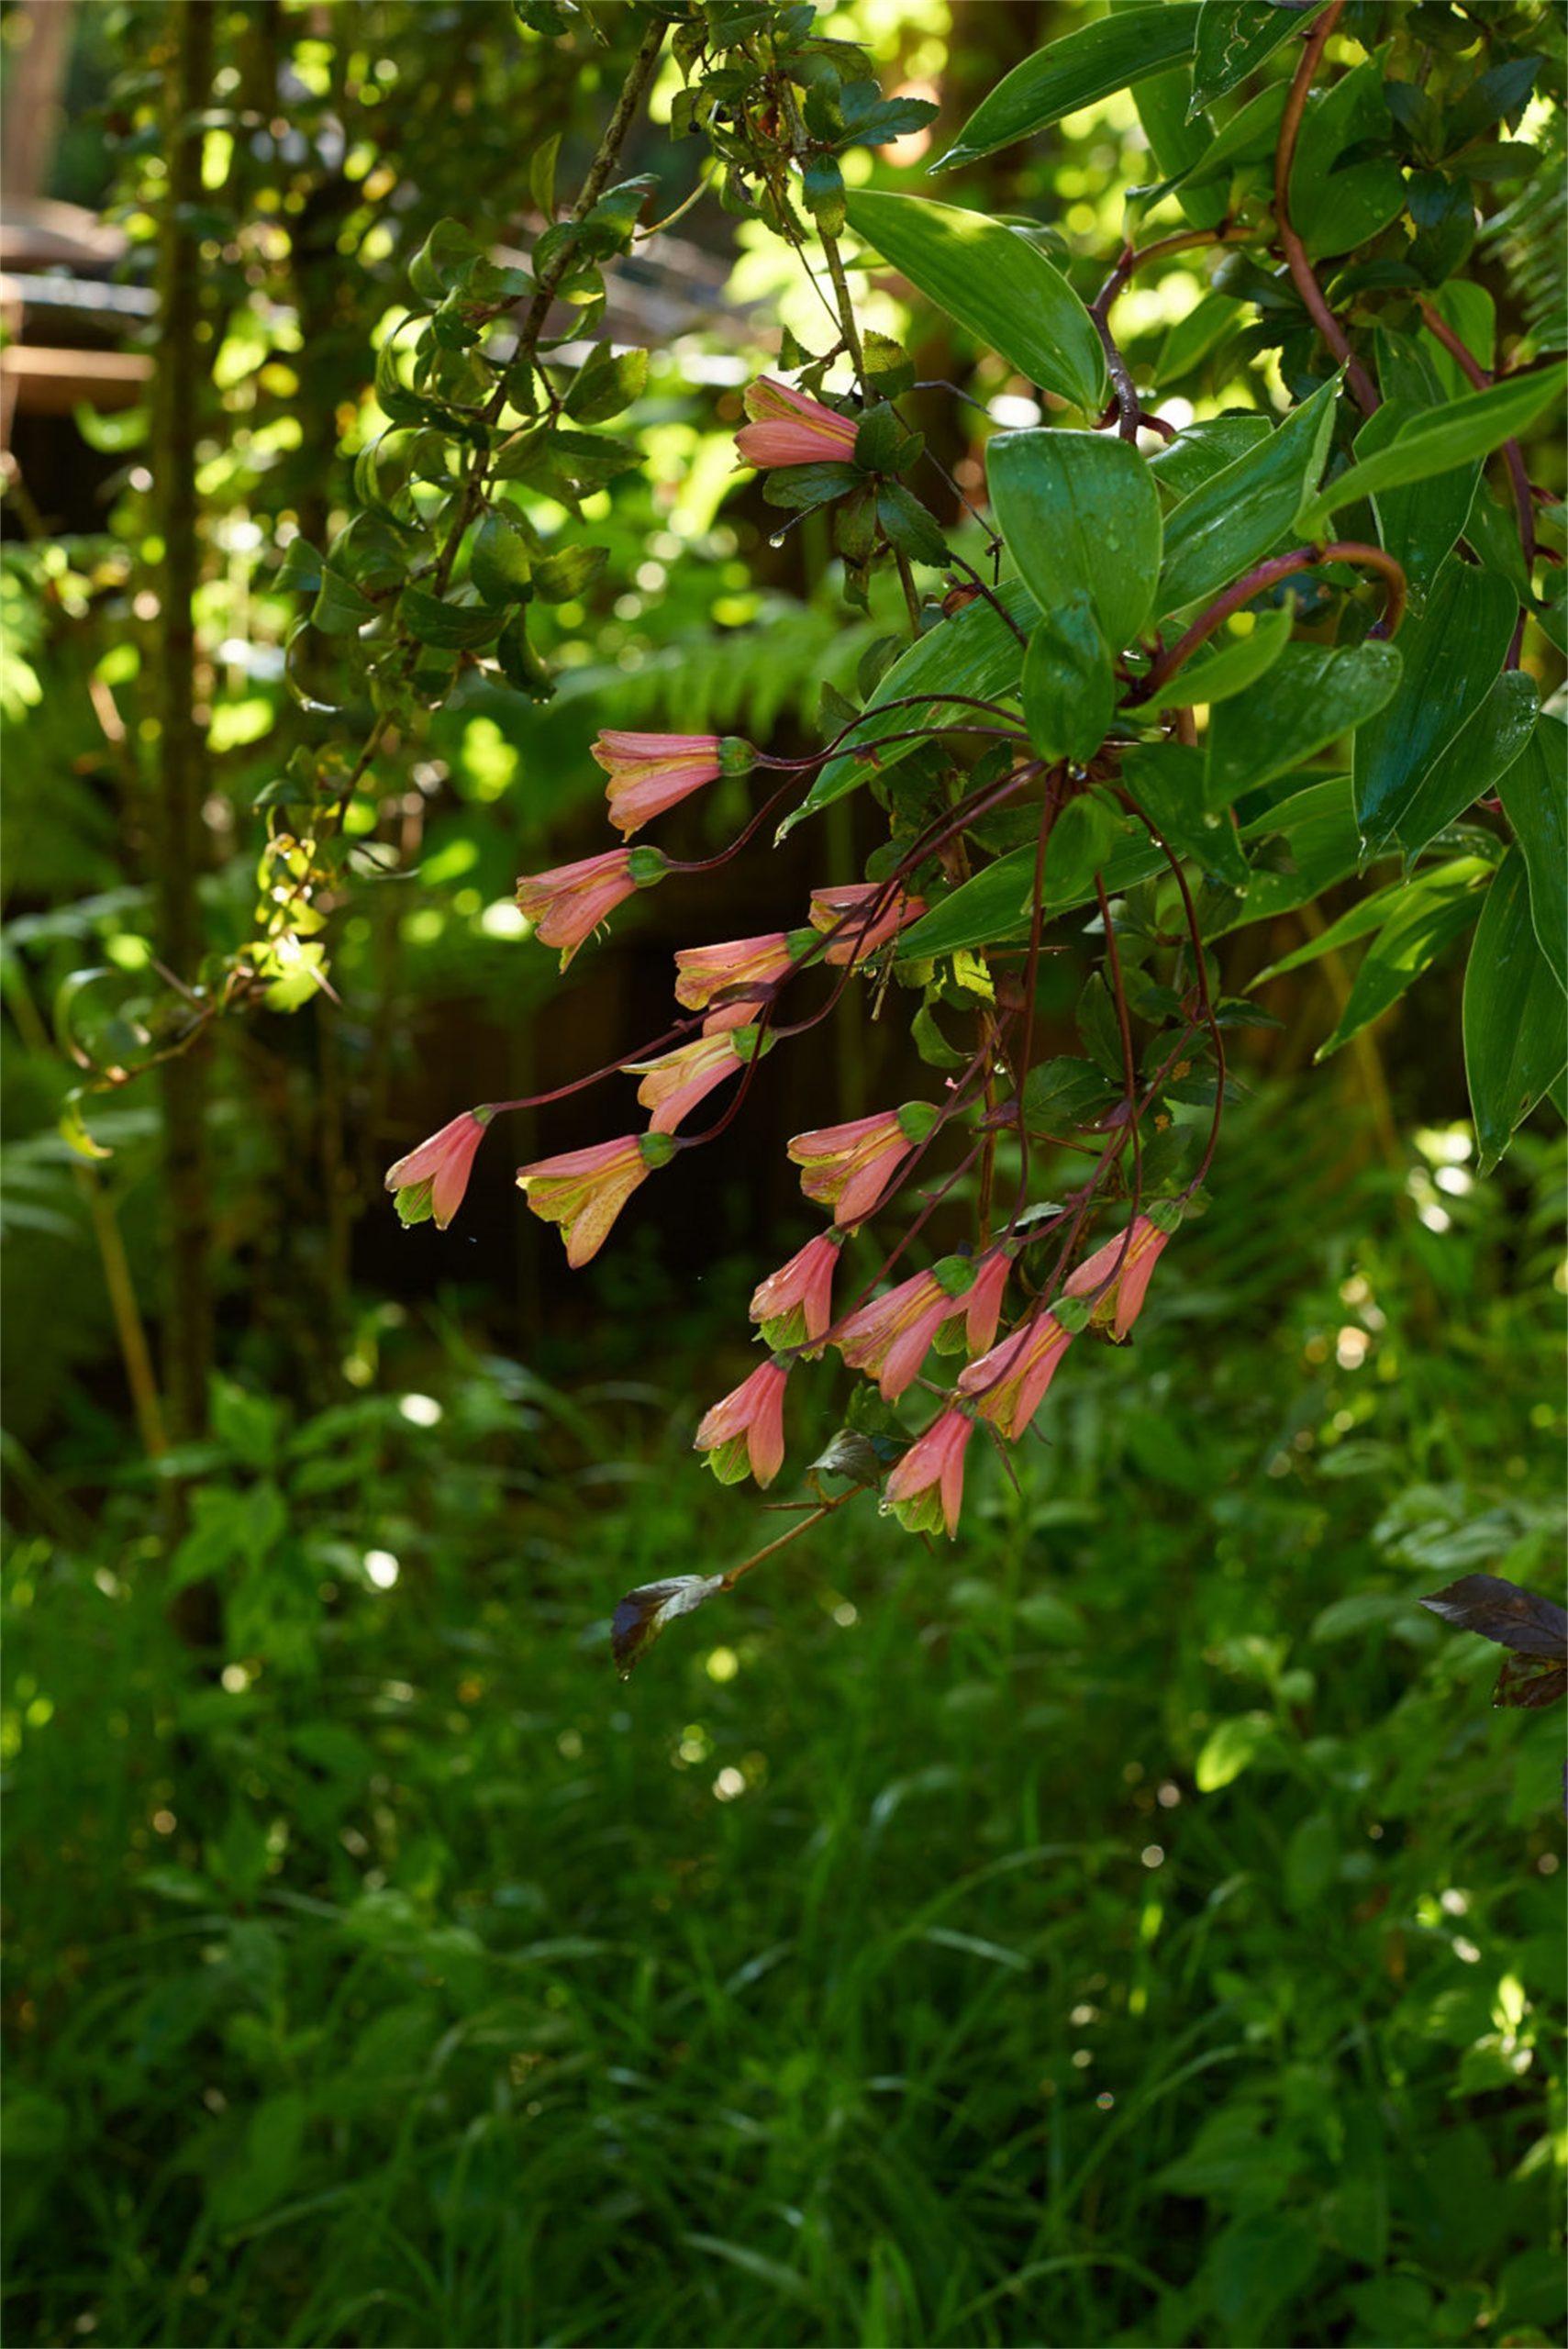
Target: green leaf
1204, 450
1311, 695
1229, 1748
975, 653
562, 577
1080, 514
1316, 829
1233, 38
907, 525
541, 174
1516, 1015
447, 628
500, 566
1418, 522
1239, 661
996, 903
1178, 133
998, 284
1437, 442
300, 572
340, 610
1452, 655
1075, 70
1166, 780
1424, 915
1069, 686
1241, 514
1335, 206
435, 268
1367, 914
822, 193
1534, 793
606, 382
1082, 841
1480, 753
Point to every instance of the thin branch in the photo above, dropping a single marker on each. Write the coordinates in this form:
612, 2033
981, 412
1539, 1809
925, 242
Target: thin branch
1268, 575
1291, 245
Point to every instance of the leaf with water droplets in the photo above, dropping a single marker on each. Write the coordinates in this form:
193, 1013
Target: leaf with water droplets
643, 1613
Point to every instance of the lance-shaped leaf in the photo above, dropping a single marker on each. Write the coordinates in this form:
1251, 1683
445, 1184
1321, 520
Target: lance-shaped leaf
1082, 67
1316, 832
979, 652
1312, 695
1233, 38
1421, 918
1336, 202
1516, 1015
1069, 688
1534, 792
644, 1612
1438, 441
1474, 763
997, 902
1166, 780
1240, 661
1245, 511
1081, 515
1204, 450
1451, 656
995, 282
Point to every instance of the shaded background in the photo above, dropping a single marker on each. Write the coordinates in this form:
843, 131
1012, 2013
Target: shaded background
1130, 1926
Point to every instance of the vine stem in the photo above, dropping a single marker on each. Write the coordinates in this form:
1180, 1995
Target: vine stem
1291, 245
1268, 575
1470, 367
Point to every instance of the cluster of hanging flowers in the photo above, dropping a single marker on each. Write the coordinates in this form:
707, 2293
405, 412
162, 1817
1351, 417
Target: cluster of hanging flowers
724, 1023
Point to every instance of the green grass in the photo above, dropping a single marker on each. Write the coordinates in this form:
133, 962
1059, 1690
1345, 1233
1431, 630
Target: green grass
887, 1962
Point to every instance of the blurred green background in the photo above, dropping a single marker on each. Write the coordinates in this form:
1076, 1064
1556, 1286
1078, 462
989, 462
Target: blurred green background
1131, 1925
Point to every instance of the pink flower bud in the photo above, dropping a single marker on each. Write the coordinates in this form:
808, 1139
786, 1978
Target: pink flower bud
567, 904
789, 428
703, 971
795, 1304
1122, 1269
926, 1487
430, 1182
746, 1429
849, 1167
674, 1082
890, 1337
1007, 1385
584, 1190
648, 773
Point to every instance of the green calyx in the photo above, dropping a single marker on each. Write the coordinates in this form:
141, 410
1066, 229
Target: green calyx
918, 1120
646, 865
657, 1150
736, 755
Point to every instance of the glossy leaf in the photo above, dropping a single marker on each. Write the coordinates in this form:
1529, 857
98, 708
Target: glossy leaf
1311, 696
1314, 831
1424, 915
1069, 687
1244, 511
1338, 204
1233, 39
500, 566
1166, 780
643, 1614
1437, 442
1080, 515
1499, 1610
995, 282
447, 628
1204, 450
1417, 522
1534, 792
1075, 70
976, 652
1473, 763
996, 904
1451, 656
1516, 1014
1217, 675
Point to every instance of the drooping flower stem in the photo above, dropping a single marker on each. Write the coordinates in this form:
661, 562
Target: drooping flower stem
1264, 575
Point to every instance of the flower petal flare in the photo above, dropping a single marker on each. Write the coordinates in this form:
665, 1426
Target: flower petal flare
924, 1491
890, 1337
1007, 1386
745, 1431
584, 1190
794, 1305
674, 1082
429, 1183
789, 428
849, 1167
1121, 1270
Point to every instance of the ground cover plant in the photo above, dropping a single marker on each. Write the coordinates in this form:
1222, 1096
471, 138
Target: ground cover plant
1051, 675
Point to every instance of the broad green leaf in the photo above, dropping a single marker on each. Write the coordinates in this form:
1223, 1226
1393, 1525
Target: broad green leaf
1201, 331
1179, 134
1079, 513
1480, 753
1338, 206
448, 628
1424, 915
1516, 1015
1418, 522
1452, 654
1311, 695
995, 282
1069, 687
1241, 514
1534, 794
996, 904
1082, 66
606, 382
1204, 450
976, 652
568, 573
1314, 830
1166, 780
500, 566
340, 610
1240, 661
1231, 1747
300, 569
1233, 38
1436, 443
1248, 139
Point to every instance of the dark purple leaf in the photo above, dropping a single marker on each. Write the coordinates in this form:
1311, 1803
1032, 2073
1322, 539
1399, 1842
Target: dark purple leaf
1500, 1611
1531, 1682
643, 1613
